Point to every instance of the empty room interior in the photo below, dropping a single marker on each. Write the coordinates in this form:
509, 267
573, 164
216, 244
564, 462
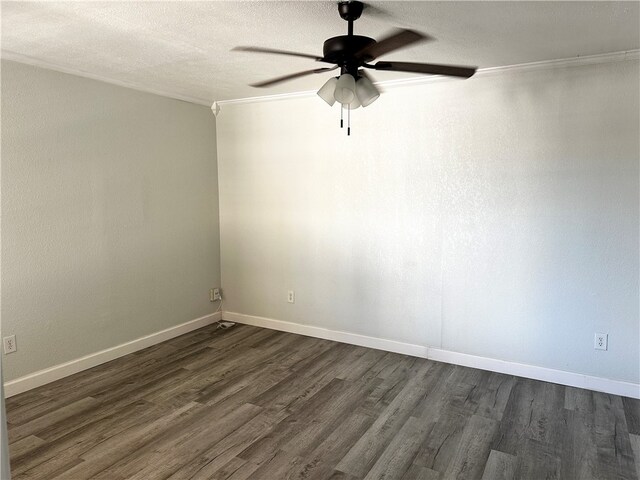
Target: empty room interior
320, 240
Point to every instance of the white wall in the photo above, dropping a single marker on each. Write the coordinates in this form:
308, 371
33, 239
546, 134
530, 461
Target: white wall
496, 216
109, 215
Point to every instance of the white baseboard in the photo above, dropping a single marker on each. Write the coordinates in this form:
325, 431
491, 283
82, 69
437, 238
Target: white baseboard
561, 377
57, 372
336, 335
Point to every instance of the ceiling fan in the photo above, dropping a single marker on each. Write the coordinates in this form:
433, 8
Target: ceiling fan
352, 54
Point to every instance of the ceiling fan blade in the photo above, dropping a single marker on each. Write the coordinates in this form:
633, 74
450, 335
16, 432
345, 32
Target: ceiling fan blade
291, 76
427, 68
399, 39
276, 52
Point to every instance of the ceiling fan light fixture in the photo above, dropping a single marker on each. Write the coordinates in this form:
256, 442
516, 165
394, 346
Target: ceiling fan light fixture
345, 89
327, 91
366, 91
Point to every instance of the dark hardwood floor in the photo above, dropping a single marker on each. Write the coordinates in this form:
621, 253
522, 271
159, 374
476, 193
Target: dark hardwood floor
250, 403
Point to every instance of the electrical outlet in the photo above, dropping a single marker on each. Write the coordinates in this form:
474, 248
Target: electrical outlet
600, 341
291, 296
9, 344
215, 294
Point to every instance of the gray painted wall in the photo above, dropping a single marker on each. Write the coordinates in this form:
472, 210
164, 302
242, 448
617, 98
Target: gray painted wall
109, 215
496, 216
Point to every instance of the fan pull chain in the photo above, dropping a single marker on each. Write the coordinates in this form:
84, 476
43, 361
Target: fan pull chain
349, 119
341, 114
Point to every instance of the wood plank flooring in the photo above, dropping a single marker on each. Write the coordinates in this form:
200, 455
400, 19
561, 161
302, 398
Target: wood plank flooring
251, 403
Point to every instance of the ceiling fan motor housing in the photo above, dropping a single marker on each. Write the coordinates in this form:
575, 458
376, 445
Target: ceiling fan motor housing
342, 51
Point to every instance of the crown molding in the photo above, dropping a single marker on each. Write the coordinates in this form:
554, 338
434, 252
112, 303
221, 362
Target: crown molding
407, 82
388, 84
34, 62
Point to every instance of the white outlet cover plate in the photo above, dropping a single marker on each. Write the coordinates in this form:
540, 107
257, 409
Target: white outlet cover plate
9, 344
600, 341
291, 297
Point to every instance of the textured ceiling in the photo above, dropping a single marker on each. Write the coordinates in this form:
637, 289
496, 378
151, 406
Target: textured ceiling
183, 48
